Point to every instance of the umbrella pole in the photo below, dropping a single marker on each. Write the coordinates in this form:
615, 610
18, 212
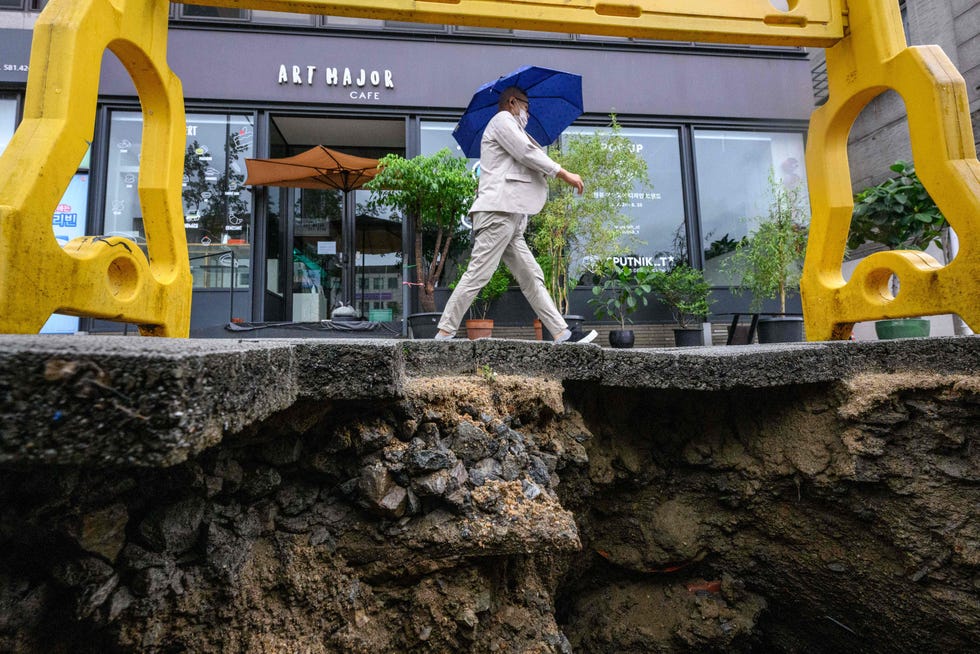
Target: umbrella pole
347, 232
362, 266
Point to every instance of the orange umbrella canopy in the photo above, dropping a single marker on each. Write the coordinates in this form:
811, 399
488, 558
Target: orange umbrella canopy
318, 167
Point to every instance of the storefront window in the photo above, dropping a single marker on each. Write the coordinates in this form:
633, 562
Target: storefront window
733, 169
657, 213
283, 18
69, 220
8, 121
225, 13
436, 136
347, 21
217, 208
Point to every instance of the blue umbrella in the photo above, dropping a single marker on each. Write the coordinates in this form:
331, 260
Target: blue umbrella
555, 98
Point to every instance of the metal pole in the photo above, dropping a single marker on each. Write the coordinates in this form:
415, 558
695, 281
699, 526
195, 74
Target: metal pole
231, 302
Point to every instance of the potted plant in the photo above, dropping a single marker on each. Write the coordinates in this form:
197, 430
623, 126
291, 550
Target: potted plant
620, 292
571, 229
478, 325
685, 292
769, 261
434, 192
900, 214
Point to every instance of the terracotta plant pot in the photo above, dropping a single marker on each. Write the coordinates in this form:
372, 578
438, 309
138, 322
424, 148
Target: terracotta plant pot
538, 330
479, 328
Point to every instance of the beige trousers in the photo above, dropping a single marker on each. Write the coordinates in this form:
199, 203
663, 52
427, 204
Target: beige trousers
499, 237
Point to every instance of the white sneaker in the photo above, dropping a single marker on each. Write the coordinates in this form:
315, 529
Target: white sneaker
444, 337
576, 336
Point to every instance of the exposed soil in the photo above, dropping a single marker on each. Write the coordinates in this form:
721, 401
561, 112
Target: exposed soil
849, 514
491, 513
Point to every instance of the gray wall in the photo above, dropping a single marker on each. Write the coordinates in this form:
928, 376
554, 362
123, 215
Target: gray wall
239, 65
880, 135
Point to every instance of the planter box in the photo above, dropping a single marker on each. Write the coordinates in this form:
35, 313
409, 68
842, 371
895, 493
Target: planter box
902, 328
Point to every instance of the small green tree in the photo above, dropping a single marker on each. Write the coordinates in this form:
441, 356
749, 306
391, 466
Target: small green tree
685, 291
436, 190
571, 227
768, 262
898, 213
621, 291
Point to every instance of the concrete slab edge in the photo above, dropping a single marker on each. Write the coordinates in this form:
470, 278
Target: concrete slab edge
113, 400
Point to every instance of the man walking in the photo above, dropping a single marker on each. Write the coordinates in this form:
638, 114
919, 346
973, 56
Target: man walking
513, 185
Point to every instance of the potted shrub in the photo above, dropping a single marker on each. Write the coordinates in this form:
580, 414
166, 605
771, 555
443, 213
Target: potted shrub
685, 292
900, 214
478, 325
434, 192
769, 261
573, 229
620, 292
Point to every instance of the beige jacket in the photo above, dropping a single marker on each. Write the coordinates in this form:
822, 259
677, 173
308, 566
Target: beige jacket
513, 168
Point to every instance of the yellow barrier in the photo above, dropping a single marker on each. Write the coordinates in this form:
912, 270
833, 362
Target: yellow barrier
874, 57
110, 278
809, 22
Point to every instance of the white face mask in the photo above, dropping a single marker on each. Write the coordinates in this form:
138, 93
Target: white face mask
522, 118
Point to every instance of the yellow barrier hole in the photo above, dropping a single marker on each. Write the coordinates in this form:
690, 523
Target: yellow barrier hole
626, 11
122, 277
786, 20
784, 5
881, 286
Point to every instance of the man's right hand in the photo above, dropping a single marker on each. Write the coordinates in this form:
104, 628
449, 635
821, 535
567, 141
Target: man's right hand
571, 179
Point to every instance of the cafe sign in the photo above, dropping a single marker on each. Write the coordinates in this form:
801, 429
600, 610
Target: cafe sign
358, 83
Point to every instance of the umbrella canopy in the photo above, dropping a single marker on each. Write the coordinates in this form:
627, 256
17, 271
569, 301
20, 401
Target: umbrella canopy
555, 102
319, 167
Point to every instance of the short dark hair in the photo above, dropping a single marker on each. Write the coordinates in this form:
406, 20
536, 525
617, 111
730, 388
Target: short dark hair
508, 93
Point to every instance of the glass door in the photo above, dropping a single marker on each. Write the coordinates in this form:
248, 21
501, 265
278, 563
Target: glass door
377, 262
316, 273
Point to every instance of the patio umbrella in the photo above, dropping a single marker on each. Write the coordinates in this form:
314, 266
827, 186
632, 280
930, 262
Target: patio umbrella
555, 102
319, 167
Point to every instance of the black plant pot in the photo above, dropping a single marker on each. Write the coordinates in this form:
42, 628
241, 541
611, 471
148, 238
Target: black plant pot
424, 325
622, 338
786, 329
688, 337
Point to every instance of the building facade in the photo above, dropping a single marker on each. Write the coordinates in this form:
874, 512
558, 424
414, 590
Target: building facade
712, 122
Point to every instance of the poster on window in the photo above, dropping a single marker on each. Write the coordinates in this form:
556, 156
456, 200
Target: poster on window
68, 222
